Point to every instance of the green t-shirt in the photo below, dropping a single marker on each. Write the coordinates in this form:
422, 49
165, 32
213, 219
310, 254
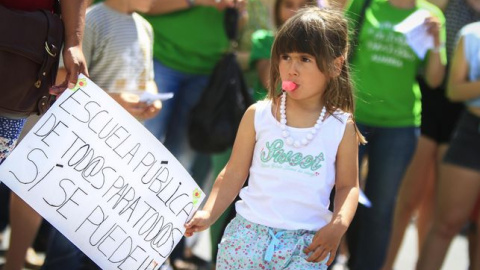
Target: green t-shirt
262, 41
384, 66
191, 40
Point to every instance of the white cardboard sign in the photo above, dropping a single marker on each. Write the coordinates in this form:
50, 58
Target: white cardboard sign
104, 181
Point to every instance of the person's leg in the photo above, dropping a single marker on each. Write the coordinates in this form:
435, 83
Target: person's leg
414, 186
9, 132
457, 192
389, 153
427, 207
475, 258
4, 205
24, 223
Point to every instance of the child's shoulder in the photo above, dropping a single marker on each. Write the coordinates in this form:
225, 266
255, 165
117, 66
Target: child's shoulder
341, 115
262, 105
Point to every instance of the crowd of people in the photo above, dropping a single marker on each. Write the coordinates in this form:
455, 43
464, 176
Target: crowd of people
366, 112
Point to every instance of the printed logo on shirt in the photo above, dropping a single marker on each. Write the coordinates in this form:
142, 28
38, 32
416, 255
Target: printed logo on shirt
275, 156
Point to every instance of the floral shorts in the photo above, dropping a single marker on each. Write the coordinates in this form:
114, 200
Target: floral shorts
9, 132
246, 245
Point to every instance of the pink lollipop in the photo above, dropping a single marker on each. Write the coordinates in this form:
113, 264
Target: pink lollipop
289, 86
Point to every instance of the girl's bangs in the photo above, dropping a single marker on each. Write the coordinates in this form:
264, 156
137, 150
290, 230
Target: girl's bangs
296, 40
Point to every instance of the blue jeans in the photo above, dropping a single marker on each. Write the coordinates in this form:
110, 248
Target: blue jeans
62, 254
170, 125
389, 152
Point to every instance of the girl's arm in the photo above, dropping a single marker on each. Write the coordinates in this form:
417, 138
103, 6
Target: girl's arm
327, 239
459, 88
231, 179
435, 69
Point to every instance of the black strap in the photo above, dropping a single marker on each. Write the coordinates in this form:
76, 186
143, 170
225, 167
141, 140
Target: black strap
358, 27
56, 7
231, 23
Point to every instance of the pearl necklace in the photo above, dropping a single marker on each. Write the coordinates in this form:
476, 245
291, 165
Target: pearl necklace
283, 125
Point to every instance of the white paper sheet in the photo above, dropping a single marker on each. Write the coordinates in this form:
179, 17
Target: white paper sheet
415, 30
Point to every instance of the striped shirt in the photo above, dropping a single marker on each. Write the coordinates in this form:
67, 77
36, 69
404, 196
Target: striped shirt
118, 49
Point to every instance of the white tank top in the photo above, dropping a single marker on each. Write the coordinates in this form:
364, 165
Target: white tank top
289, 188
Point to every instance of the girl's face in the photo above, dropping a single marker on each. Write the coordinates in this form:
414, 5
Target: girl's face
302, 69
288, 8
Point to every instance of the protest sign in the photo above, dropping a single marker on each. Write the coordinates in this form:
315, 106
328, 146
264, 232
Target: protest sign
97, 175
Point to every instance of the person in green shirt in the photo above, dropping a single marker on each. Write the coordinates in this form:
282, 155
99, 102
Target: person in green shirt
388, 107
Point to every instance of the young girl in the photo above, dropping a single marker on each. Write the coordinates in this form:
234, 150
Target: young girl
294, 147
261, 47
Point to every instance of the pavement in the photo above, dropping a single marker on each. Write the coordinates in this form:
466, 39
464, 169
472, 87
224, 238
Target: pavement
457, 256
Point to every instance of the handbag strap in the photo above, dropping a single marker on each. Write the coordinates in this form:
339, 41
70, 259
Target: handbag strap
231, 23
53, 44
56, 7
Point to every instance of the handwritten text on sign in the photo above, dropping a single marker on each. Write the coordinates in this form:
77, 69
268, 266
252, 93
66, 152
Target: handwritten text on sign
104, 181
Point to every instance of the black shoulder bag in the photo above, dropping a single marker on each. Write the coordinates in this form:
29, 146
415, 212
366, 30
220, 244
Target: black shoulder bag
214, 121
30, 46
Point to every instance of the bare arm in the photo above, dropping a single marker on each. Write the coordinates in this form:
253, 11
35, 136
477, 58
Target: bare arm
435, 70
459, 88
346, 183
73, 16
327, 239
231, 179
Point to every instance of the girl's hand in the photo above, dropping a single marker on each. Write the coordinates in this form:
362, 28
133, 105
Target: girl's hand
200, 222
325, 241
433, 28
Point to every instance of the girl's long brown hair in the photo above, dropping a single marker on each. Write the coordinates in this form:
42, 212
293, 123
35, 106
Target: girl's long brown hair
322, 33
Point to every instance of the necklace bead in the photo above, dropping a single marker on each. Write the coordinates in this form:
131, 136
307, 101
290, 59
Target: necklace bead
286, 134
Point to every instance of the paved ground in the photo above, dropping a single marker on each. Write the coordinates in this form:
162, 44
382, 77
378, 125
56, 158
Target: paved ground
457, 257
